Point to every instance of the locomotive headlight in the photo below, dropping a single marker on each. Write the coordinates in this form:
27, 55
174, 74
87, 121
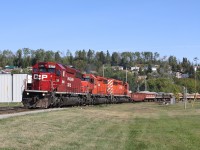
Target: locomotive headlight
27, 93
43, 94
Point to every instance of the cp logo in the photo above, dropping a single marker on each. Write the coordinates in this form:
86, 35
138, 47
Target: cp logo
39, 77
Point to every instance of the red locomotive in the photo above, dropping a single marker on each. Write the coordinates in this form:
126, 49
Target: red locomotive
56, 85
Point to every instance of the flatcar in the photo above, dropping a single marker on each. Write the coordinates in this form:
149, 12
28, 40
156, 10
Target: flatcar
162, 96
189, 96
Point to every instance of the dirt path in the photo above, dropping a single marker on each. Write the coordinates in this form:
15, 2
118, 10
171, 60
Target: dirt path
29, 112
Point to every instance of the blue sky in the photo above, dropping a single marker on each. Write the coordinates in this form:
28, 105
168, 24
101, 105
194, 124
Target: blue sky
169, 27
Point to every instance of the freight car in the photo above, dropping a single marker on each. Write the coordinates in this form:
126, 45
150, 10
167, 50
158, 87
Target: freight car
161, 96
188, 96
143, 96
146, 96
57, 85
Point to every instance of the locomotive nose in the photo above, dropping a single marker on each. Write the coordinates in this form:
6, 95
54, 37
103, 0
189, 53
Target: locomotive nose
41, 81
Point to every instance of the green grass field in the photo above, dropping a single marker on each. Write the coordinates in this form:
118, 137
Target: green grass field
106, 127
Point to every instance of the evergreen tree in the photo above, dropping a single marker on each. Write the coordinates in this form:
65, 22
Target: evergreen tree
115, 59
49, 56
149, 68
26, 58
58, 57
19, 59
90, 56
108, 58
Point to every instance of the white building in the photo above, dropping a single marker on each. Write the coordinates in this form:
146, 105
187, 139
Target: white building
154, 69
117, 67
135, 68
178, 75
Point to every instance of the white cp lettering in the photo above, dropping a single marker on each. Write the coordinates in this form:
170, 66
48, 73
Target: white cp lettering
39, 77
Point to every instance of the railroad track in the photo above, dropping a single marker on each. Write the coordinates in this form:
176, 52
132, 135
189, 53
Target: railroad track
11, 110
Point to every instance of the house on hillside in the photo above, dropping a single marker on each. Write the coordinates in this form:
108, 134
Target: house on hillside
10, 67
142, 77
117, 68
135, 68
154, 69
180, 75
186, 75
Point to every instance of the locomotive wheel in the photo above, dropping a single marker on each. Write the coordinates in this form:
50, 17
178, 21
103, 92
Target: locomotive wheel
60, 103
114, 101
91, 101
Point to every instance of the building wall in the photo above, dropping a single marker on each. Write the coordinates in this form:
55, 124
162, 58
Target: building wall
5, 88
11, 87
18, 86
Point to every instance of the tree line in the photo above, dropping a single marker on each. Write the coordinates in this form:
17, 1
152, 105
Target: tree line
91, 60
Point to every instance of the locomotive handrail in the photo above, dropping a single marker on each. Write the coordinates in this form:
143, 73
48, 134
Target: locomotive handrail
70, 93
39, 91
25, 84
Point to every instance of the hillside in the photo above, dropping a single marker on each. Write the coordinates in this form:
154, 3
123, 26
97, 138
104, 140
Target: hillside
145, 70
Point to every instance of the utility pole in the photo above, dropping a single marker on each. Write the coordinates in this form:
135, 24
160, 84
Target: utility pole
126, 74
185, 97
195, 79
103, 70
138, 88
145, 84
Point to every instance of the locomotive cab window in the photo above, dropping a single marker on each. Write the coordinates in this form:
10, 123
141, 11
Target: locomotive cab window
51, 70
87, 79
92, 80
35, 70
115, 83
105, 81
79, 75
58, 72
43, 69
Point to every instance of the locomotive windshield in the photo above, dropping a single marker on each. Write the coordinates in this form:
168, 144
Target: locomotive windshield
51, 70
44, 70
88, 79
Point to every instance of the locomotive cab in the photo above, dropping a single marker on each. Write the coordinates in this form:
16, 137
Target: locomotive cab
46, 76
87, 83
101, 85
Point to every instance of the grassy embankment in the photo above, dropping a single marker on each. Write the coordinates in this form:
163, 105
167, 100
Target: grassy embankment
11, 104
123, 126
